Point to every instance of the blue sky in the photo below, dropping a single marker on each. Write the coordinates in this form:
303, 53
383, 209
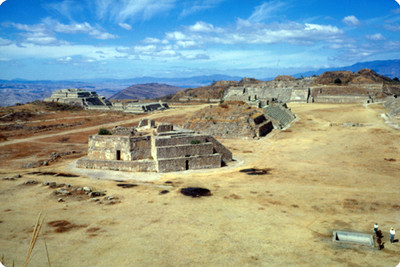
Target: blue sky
83, 39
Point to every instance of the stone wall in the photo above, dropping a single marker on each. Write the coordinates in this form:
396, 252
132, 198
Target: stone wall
118, 165
106, 147
341, 99
190, 163
272, 91
220, 149
166, 152
178, 140
140, 148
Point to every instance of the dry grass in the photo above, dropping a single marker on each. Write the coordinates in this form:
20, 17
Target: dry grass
35, 235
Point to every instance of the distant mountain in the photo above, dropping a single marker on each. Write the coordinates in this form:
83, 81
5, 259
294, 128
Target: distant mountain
145, 91
23, 91
214, 91
388, 68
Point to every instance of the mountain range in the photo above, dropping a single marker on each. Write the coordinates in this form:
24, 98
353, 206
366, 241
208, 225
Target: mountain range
145, 91
23, 91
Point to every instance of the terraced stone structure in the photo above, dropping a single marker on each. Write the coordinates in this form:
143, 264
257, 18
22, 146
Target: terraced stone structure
80, 97
364, 86
262, 93
91, 100
154, 148
279, 114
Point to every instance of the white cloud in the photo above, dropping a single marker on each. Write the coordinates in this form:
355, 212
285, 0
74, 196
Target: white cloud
177, 36
44, 32
150, 40
80, 28
125, 26
186, 44
145, 48
123, 10
198, 6
65, 59
393, 27
351, 21
66, 8
201, 27
375, 37
4, 41
31, 50
265, 11
255, 33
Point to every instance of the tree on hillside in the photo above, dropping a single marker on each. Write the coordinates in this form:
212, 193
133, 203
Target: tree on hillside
396, 79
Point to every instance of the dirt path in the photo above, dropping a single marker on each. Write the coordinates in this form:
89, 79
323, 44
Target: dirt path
65, 118
176, 111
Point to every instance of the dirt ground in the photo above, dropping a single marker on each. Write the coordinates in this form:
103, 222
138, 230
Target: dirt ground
336, 168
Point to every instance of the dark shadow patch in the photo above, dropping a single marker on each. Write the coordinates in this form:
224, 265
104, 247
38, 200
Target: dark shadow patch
67, 175
256, 171
196, 192
164, 192
93, 229
127, 185
30, 182
62, 226
43, 173
390, 159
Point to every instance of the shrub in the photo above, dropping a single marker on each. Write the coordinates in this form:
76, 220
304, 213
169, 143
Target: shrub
194, 142
103, 131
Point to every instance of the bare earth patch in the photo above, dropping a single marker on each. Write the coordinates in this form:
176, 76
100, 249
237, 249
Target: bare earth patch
316, 177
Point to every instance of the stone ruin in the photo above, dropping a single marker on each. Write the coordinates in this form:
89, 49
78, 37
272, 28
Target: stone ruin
277, 91
154, 148
365, 86
91, 100
80, 97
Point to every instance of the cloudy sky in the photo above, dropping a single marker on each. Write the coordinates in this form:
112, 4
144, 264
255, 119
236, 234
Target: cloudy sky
79, 39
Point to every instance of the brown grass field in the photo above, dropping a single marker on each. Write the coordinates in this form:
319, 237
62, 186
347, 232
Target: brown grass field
336, 168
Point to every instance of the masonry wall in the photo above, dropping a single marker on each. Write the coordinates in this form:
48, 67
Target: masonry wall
140, 148
183, 150
341, 99
220, 148
178, 140
105, 147
118, 165
189, 163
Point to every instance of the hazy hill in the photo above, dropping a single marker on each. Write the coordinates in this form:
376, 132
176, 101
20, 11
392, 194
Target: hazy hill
389, 68
145, 91
23, 91
215, 90
361, 76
